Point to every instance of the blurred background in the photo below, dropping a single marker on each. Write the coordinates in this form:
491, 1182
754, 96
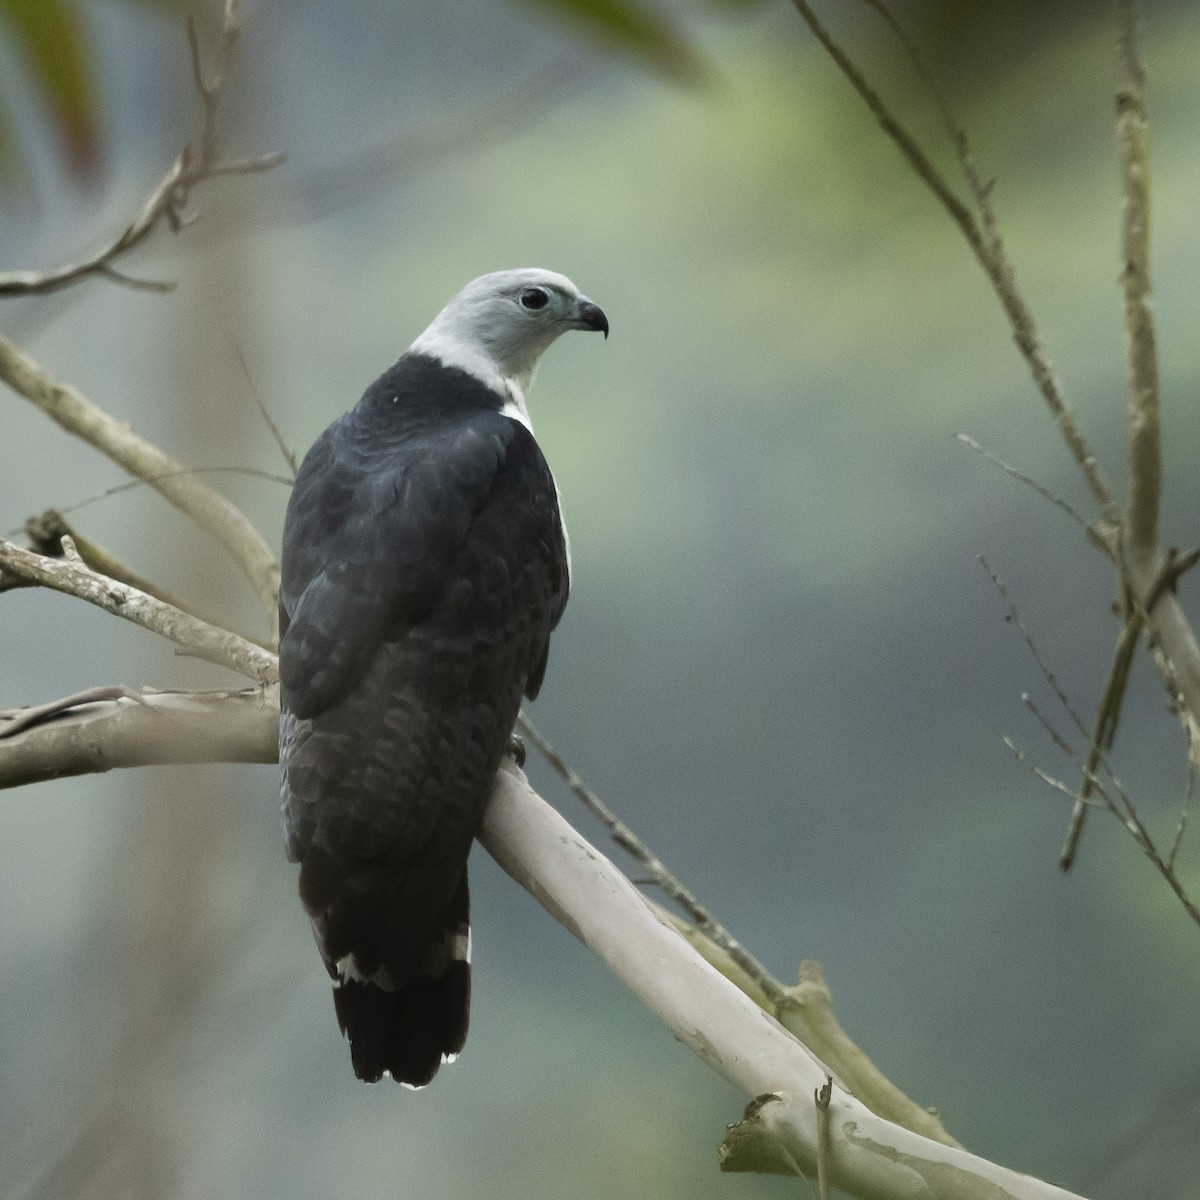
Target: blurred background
782, 663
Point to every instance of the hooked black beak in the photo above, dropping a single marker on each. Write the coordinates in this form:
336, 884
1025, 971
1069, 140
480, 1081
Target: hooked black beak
591, 316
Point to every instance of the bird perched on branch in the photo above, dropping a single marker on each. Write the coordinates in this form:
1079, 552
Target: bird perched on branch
425, 564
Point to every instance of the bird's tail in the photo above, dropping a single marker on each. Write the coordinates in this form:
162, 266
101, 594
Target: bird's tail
409, 1029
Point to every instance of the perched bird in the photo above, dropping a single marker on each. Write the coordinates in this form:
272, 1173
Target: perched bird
425, 564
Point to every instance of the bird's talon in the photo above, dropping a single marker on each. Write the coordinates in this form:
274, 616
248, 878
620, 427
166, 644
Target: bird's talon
516, 750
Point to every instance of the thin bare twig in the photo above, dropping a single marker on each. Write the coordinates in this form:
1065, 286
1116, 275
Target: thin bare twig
663, 879
1108, 716
1014, 619
988, 250
1181, 828
132, 484
1141, 836
168, 201
1042, 491
207, 641
1055, 737
1108, 712
822, 1097
1123, 811
981, 190
134, 282
284, 449
806, 1010
1057, 501
1128, 815
1057, 784
1122, 807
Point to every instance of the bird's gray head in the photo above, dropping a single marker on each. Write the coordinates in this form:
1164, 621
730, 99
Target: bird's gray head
500, 324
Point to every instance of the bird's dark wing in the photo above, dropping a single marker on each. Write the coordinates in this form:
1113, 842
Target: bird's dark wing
442, 553
369, 541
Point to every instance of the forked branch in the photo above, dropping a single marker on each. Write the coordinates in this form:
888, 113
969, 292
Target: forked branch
155, 729
805, 1009
168, 201
210, 510
1131, 539
197, 637
866, 1157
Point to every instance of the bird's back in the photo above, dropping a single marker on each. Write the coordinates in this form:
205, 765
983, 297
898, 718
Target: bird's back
424, 567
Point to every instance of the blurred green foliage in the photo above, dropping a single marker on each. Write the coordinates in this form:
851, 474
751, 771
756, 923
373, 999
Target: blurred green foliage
60, 66
58, 62
634, 29
781, 660
50, 41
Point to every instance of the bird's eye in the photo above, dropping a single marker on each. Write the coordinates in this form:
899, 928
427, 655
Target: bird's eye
534, 298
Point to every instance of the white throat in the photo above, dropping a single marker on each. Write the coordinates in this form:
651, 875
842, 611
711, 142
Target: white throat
451, 351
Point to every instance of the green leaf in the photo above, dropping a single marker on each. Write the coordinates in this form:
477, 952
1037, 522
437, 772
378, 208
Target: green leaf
627, 27
49, 37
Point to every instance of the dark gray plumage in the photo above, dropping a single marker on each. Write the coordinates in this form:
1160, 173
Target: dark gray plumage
425, 565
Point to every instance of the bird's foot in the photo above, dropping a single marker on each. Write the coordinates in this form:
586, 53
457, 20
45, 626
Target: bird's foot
516, 750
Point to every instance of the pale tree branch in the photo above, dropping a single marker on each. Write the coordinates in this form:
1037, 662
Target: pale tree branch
197, 637
655, 870
156, 728
1133, 145
805, 1010
107, 728
47, 533
1139, 531
867, 1155
208, 508
168, 201
17, 720
583, 891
